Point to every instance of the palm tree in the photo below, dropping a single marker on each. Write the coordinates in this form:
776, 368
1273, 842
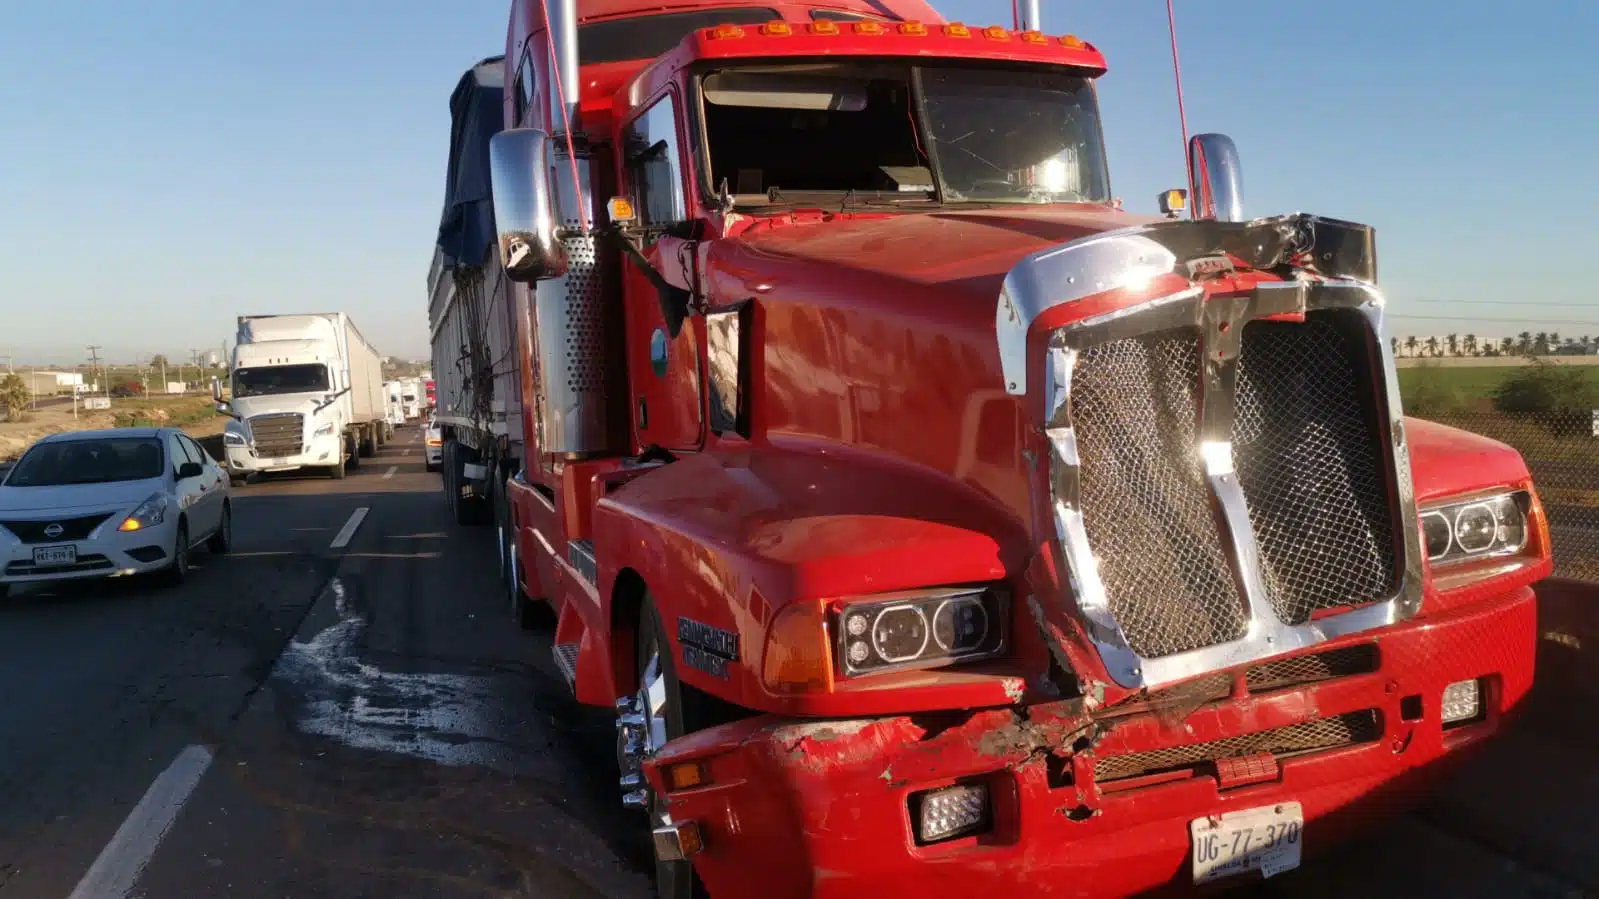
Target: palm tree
1394, 343
1453, 344
1526, 342
1540, 343
1554, 341
1471, 344
1410, 344
1508, 345
1432, 346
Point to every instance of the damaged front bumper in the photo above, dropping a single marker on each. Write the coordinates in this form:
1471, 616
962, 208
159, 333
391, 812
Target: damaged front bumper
1086, 802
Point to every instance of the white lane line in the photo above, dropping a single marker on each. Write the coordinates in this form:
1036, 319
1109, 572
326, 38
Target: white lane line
405, 452
123, 859
390, 473
348, 531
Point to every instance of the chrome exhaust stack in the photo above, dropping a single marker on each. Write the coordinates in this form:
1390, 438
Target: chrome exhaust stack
1025, 15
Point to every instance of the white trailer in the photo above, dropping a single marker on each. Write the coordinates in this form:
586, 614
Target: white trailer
307, 392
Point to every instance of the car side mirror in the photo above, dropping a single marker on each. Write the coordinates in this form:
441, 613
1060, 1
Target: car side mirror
225, 409
190, 470
216, 389
1216, 177
521, 179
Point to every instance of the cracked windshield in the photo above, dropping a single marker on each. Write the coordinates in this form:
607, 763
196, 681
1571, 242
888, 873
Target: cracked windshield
806, 449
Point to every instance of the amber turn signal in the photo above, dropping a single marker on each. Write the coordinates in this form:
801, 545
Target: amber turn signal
825, 26
956, 29
777, 28
797, 659
686, 776
620, 210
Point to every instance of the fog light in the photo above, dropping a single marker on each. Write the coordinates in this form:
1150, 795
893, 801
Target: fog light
1462, 701
678, 842
951, 812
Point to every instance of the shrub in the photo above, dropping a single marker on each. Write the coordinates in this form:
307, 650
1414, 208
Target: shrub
14, 397
1559, 397
1432, 393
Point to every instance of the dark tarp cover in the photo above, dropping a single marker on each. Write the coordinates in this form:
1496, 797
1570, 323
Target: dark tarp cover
466, 233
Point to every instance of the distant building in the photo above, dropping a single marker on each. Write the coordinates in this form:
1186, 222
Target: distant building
50, 383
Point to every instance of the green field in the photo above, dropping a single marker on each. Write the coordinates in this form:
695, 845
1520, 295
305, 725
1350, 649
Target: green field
1463, 387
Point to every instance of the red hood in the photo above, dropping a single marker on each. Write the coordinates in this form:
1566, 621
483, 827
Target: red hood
970, 251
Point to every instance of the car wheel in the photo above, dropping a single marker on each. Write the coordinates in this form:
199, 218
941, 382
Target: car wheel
177, 571
222, 540
337, 471
238, 480
660, 715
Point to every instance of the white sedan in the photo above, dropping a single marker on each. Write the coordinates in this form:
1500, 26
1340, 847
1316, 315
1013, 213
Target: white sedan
433, 448
98, 504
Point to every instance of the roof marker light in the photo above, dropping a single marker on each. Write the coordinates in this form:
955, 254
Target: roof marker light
777, 28
1034, 37
996, 33
916, 29
724, 32
869, 27
956, 29
1073, 42
825, 26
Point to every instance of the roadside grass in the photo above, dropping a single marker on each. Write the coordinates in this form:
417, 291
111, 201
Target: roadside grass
1461, 387
184, 412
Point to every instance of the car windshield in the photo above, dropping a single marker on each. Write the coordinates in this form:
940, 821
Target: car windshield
272, 379
890, 134
89, 461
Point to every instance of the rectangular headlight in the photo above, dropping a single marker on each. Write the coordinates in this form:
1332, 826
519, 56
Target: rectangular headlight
950, 812
1478, 528
920, 628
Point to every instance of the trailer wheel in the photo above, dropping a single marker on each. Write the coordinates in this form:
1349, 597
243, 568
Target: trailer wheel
366, 443
352, 449
668, 711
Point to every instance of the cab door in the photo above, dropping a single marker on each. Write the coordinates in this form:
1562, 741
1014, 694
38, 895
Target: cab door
664, 371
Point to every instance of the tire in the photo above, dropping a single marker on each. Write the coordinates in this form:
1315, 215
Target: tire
352, 448
452, 495
177, 571
675, 879
336, 472
238, 480
222, 541
366, 444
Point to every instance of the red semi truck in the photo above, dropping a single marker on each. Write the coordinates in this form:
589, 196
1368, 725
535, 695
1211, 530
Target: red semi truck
934, 527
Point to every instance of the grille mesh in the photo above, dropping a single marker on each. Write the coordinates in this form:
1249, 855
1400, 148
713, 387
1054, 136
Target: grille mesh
1145, 502
1312, 668
1308, 736
78, 528
1308, 460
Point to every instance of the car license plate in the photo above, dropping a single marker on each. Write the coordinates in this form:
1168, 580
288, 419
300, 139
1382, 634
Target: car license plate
55, 555
1266, 839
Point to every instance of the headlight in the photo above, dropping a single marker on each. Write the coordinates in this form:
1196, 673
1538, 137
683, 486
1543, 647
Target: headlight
150, 513
920, 628
323, 431
1475, 529
234, 438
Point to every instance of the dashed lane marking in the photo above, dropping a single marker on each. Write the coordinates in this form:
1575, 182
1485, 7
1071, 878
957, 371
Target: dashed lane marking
120, 863
390, 473
346, 533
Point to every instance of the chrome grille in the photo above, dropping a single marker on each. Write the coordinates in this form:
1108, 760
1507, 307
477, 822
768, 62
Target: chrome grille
1305, 444
278, 434
75, 528
1320, 734
1145, 503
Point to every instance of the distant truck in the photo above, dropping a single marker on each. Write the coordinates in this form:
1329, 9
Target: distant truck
307, 392
394, 407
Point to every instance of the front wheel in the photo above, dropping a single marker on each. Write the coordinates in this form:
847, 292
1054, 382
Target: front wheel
657, 715
222, 540
177, 571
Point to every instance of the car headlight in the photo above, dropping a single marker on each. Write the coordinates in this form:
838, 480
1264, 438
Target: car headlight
920, 628
1480, 528
323, 431
234, 438
149, 513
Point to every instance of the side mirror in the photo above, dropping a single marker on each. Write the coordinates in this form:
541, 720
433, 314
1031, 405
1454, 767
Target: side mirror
1216, 177
524, 205
226, 409
216, 389
189, 470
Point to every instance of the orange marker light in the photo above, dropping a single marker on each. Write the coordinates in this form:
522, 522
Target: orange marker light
686, 776
724, 32
1034, 37
916, 29
1073, 42
825, 26
996, 33
956, 29
869, 28
797, 658
776, 29
620, 209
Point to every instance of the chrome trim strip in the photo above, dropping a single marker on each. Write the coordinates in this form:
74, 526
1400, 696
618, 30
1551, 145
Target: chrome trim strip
1221, 323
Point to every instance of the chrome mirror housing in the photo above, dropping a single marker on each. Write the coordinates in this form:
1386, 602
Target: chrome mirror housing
1216, 178
524, 206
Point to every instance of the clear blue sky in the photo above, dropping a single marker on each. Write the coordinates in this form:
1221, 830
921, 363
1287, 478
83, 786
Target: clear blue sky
168, 164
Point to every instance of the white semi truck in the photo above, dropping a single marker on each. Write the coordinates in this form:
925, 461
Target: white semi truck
307, 392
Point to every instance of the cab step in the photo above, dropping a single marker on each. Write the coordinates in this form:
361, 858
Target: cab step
566, 662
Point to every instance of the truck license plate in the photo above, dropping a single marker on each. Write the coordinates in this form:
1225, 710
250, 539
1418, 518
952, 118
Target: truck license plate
55, 555
1263, 839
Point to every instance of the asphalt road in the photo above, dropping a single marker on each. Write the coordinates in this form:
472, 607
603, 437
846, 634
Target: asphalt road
347, 710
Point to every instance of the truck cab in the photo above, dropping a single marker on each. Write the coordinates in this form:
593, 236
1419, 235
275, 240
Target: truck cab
933, 525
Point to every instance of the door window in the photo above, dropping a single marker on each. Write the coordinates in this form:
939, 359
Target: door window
655, 164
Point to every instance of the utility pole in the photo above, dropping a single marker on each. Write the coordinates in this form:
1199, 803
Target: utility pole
94, 363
